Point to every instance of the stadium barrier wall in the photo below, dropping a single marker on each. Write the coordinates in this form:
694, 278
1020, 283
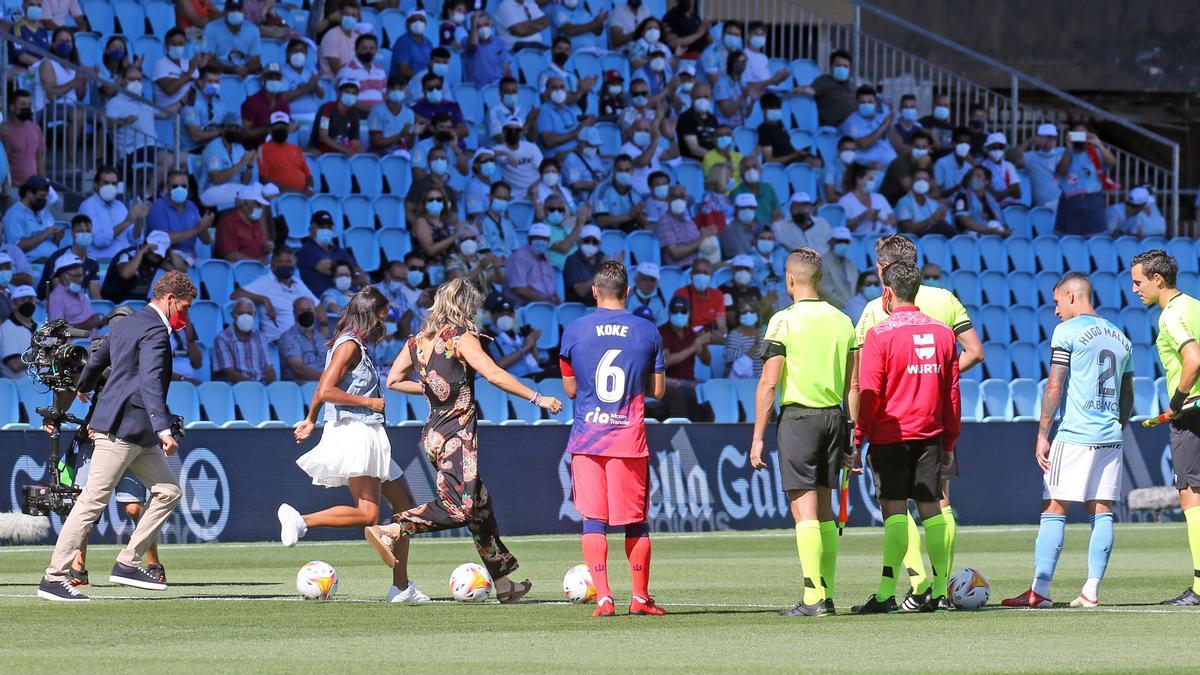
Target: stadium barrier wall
233, 480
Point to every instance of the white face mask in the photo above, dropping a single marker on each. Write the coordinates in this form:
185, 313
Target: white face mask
485, 33
108, 192
752, 175
297, 60
996, 155
847, 156
678, 206
558, 96
652, 35
962, 149
505, 323
342, 283
468, 246
921, 186
702, 105
742, 277
134, 87
244, 322
589, 250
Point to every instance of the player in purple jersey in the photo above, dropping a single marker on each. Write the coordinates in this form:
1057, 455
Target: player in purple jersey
611, 360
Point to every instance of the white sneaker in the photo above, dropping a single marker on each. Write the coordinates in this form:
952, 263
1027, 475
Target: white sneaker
412, 594
291, 525
1085, 602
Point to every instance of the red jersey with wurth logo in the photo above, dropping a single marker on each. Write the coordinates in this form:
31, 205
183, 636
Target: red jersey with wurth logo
908, 379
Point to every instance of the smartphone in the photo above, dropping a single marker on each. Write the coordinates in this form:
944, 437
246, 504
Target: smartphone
1077, 136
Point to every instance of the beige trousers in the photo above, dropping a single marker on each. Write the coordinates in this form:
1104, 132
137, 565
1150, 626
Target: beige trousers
110, 458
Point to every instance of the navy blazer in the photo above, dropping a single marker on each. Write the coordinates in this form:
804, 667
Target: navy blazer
133, 403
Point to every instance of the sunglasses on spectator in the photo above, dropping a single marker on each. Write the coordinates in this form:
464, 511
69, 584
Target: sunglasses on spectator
932, 277
590, 240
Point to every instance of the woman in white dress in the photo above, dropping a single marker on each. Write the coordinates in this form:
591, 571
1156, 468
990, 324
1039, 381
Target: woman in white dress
354, 450
867, 211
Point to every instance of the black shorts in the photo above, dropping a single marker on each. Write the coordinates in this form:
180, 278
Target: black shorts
812, 445
952, 472
910, 470
1185, 451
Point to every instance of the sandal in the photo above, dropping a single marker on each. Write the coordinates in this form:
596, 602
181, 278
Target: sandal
157, 571
382, 544
518, 591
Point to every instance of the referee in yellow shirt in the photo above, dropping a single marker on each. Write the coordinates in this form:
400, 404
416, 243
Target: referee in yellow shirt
809, 348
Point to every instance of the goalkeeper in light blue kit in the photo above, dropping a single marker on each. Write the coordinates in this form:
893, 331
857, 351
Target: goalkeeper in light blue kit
1091, 360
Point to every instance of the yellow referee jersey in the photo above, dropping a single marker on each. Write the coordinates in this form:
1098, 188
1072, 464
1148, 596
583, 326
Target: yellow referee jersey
937, 303
815, 338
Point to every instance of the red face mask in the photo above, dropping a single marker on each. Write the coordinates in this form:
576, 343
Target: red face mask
177, 320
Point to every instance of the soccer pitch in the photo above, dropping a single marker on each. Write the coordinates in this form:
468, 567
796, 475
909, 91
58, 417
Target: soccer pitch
233, 607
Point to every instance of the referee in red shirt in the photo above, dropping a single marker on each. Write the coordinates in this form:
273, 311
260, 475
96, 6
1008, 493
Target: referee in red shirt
909, 411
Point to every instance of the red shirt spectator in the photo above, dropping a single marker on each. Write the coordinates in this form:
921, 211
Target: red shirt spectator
707, 307
257, 109
676, 340
240, 234
908, 376
24, 144
282, 162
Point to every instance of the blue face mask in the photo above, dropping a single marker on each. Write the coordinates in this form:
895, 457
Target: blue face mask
733, 43
5, 277
415, 277
866, 109
34, 13
438, 166
349, 23
539, 246
555, 217
623, 178
774, 114
679, 320
235, 18
748, 318
440, 69
509, 100
487, 169
349, 100
179, 194
700, 281
723, 142
499, 205
840, 249
434, 96
83, 239
661, 192
273, 86
434, 207
324, 236
941, 112
872, 291
396, 96
841, 73
74, 287
641, 138
909, 114
211, 89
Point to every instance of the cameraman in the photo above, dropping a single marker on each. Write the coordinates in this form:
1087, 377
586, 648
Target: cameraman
132, 423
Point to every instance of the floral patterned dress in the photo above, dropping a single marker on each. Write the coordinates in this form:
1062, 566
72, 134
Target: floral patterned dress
452, 446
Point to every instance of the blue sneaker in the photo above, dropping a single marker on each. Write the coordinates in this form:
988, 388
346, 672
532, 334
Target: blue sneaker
136, 577
60, 591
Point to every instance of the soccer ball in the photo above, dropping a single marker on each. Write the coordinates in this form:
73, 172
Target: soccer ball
577, 585
316, 581
969, 589
470, 582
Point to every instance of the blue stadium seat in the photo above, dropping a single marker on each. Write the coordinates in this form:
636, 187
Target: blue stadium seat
1074, 250
315, 169
1049, 256
294, 209
389, 212
1024, 322
335, 171
1026, 360
1137, 325
1045, 282
997, 403
1023, 287
394, 244
205, 317
362, 243
90, 49
995, 321
833, 214
216, 276
643, 247
541, 315
252, 402
181, 400
10, 407
721, 396
273, 49
367, 174
419, 410
745, 139
965, 252
994, 286
1042, 220
493, 403
934, 248
587, 64
100, 16
1127, 247
671, 279
996, 361
1188, 282
131, 17
803, 139
966, 287
332, 204
804, 71
972, 404
245, 271
1183, 249
397, 172
1145, 397
612, 242
1023, 392
1047, 320
993, 253
801, 178
217, 400
1164, 399
776, 175
1020, 254
1106, 288
1145, 360
800, 112
690, 175
1104, 254
286, 401
150, 49
827, 140
524, 411
395, 407
569, 311
359, 211
554, 387
394, 24
1017, 218
618, 62
610, 139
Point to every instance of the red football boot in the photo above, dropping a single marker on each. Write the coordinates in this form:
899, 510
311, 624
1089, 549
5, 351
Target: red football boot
1028, 599
644, 607
605, 607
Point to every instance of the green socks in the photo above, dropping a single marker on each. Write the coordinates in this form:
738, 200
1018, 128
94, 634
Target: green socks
1193, 526
951, 537
935, 540
808, 545
829, 552
895, 542
913, 562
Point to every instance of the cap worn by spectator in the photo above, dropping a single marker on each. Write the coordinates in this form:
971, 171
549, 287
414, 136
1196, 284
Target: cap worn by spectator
1047, 130
415, 14
322, 218
467, 230
513, 121
746, 200
589, 232
280, 117
69, 260
493, 300
539, 230
687, 69
996, 138
590, 136
160, 241
611, 76
840, 234
19, 292
801, 198
270, 190
482, 152
742, 261
1139, 196
648, 269
38, 183
272, 69
252, 193
678, 304
348, 82
5, 259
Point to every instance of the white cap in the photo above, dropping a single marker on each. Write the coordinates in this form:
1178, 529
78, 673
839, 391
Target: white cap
589, 232
270, 190
5, 259
590, 136
482, 152
688, 68
746, 199
415, 14
160, 241
66, 260
280, 117
801, 198
1047, 130
841, 234
648, 269
996, 138
252, 193
539, 230
18, 292
345, 81
513, 121
743, 260
1139, 196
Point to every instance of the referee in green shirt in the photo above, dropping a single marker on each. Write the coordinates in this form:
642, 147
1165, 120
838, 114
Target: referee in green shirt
809, 348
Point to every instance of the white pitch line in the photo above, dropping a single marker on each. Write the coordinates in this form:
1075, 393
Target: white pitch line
722, 534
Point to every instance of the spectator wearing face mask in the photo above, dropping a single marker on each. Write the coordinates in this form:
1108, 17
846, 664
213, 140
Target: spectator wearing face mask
1082, 177
977, 124
685, 28
301, 82
509, 107
1134, 217
937, 124
773, 136
260, 107
486, 57
475, 261
439, 64
624, 21
682, 346
81, 239
869, 125
133, 270
742, 289
559, 123
531, 277
336, 127
402, 284
391, 126
135, 138
513, 347
241, 234
975, 209
337, 45
202, 117
412, 50
706, 303
734, 98
906, 125
276, 292
583, 167
743, 344
612, 97
582, 265
868, 288
800, 227
919, 213
616, 204
647, 153
948, 171
833, 91
834, 175
302, 347
725, 152
241, 353
24, 142
230, 167
550, 183
738, 236
697, 128
69, 300
1006, 184
646, 295
678, 234
560, 58
867, 211
336, 297
1038, 155
16, 332
496, 230
28, 224
433, 234
320, 253
898, 178
572, 19
372, 78
236, 44
179, 217
518, 158
564, 229
767, 201
114, 226
767, 271
758, 68
478, 190
714, 59
6, 286
173, 72
658, 198
838, 273
438, 176
281, 162
658, 74
642, 106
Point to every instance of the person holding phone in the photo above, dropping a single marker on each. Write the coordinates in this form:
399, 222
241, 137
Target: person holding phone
1081, 174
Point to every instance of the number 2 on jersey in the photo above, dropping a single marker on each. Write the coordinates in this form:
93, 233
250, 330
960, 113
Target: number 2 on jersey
1108, 371
610, 379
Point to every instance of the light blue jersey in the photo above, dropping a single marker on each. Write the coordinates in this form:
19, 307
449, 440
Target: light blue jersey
1098, 356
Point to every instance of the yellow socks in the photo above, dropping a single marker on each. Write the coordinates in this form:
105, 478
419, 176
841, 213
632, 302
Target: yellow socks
808, 545
914, 564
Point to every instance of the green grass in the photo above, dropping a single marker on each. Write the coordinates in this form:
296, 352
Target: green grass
230, 608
